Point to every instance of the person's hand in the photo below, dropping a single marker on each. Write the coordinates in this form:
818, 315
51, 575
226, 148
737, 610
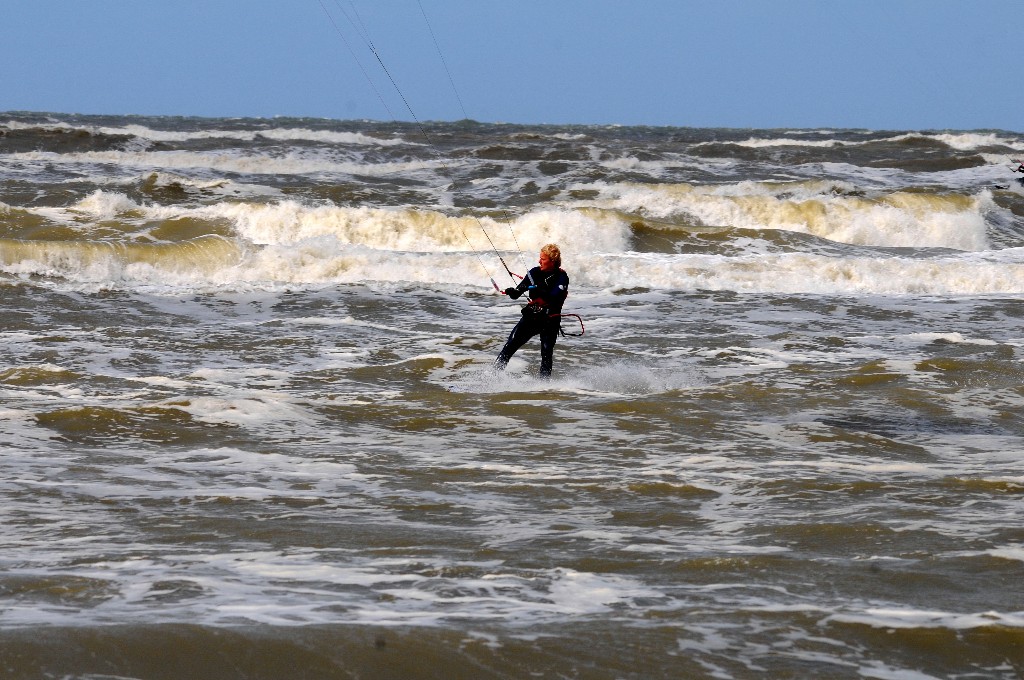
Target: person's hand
513, 292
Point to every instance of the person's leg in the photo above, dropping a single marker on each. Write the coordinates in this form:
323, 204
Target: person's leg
516, 339
548, 337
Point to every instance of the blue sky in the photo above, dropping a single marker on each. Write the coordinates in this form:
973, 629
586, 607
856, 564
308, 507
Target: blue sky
879, 64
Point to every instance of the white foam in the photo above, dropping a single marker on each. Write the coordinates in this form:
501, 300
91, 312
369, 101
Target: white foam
329, 136
892, 617
19, 429
418, 231
803, 273
883, 671
577, 592
952, 337
1008, 553
619, 377
241, 410
762, 143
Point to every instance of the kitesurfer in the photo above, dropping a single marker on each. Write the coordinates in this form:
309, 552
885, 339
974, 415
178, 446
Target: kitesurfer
547, 286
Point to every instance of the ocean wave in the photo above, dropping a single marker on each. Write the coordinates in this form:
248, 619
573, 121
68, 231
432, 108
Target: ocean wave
203, 259
111, 239
970, 141
960, 141
829, 210
222, 264
767, 143
143, 132
231, 161
286, 222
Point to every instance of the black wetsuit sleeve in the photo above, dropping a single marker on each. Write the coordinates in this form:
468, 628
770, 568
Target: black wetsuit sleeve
523, 285
558, 291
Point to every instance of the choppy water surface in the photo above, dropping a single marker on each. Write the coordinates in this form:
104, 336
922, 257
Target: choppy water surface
249, 428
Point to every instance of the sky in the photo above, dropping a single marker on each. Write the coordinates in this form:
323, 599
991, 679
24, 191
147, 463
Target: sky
875, 64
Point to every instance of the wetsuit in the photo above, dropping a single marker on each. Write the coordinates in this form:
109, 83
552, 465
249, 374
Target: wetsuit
547, 295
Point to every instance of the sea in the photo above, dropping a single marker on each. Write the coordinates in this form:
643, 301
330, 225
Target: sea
250, 427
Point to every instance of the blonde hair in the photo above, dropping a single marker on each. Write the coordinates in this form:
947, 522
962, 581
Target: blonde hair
553, 253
